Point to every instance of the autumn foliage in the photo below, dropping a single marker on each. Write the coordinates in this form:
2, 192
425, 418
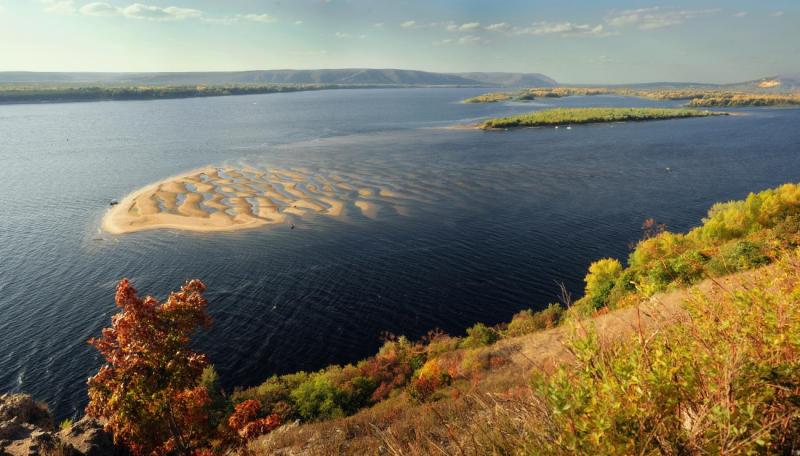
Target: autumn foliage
148, 390
244, 421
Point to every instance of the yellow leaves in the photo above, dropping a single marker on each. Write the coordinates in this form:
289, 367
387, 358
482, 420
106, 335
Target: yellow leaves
601, 272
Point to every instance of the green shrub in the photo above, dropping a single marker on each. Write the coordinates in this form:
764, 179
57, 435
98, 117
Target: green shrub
318, 398
527, 321
479, 335
442, 344
218, 406
274, 393
601, 278
624, 286
738, 256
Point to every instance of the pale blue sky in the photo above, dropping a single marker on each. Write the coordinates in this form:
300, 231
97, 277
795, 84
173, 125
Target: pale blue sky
571, 41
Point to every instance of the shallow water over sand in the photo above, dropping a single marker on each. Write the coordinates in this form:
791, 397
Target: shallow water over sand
491, 220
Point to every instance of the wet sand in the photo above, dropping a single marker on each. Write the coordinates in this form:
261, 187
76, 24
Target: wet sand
227, 198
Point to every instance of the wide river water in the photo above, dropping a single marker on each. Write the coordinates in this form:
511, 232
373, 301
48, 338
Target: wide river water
498, 219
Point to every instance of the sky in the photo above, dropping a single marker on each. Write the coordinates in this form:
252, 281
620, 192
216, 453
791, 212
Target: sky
597, 41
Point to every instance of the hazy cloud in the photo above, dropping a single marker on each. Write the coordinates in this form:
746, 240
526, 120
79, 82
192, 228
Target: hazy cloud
654, 18
466, 27
170, 13
777, 14
464, 40
298, 22
741, 14
498, 27
99, 9
562, 28
471, 39
265, 18
157, 13
348, 36
59, 6
409, 24
378, 25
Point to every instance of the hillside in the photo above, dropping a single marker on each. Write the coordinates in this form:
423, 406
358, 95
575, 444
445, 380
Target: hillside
345, 76
769, 84
496, 412
511, 80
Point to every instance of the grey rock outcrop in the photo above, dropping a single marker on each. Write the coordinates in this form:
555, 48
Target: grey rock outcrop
26, 429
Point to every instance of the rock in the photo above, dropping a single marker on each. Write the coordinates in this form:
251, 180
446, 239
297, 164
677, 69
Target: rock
26, 410
88, 438
26, 429
11, 430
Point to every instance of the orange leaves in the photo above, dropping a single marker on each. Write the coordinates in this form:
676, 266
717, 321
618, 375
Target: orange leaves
147, 390
244, 422
243, 413
260, 427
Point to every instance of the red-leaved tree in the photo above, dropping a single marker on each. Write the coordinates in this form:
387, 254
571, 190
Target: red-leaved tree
244, 420
148, 389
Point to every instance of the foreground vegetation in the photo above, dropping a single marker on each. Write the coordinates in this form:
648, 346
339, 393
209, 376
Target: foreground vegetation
694, 97
17, 93
567, 116
724, 378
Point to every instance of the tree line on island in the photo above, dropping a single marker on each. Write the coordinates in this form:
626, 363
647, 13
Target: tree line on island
707, 97
577, 116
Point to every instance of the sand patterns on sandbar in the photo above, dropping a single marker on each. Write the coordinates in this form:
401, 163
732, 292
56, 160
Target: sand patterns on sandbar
226, 198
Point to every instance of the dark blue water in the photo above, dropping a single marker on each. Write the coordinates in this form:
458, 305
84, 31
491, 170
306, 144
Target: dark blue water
497, 218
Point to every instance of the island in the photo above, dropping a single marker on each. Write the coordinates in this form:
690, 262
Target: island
572, 116
732, 100
695, 97
229, 198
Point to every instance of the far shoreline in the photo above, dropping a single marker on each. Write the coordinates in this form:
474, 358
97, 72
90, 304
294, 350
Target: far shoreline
99, 93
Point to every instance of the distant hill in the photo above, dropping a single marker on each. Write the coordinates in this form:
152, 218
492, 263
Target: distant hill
770, 84
346, 76
513, 80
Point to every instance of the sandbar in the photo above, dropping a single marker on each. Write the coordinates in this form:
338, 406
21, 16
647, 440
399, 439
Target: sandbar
228, 198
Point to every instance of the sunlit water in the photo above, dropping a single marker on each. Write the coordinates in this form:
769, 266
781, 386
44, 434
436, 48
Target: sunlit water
497, 219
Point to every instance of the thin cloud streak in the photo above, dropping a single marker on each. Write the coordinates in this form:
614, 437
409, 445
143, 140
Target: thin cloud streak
655, 17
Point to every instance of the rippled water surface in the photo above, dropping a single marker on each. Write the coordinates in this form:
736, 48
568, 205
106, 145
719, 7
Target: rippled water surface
493, 222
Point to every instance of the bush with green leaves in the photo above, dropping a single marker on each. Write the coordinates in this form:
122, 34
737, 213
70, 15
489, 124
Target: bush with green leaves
318, 398
725, 381
479, 335
735, 236
601, 278
527, 321
218, 406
